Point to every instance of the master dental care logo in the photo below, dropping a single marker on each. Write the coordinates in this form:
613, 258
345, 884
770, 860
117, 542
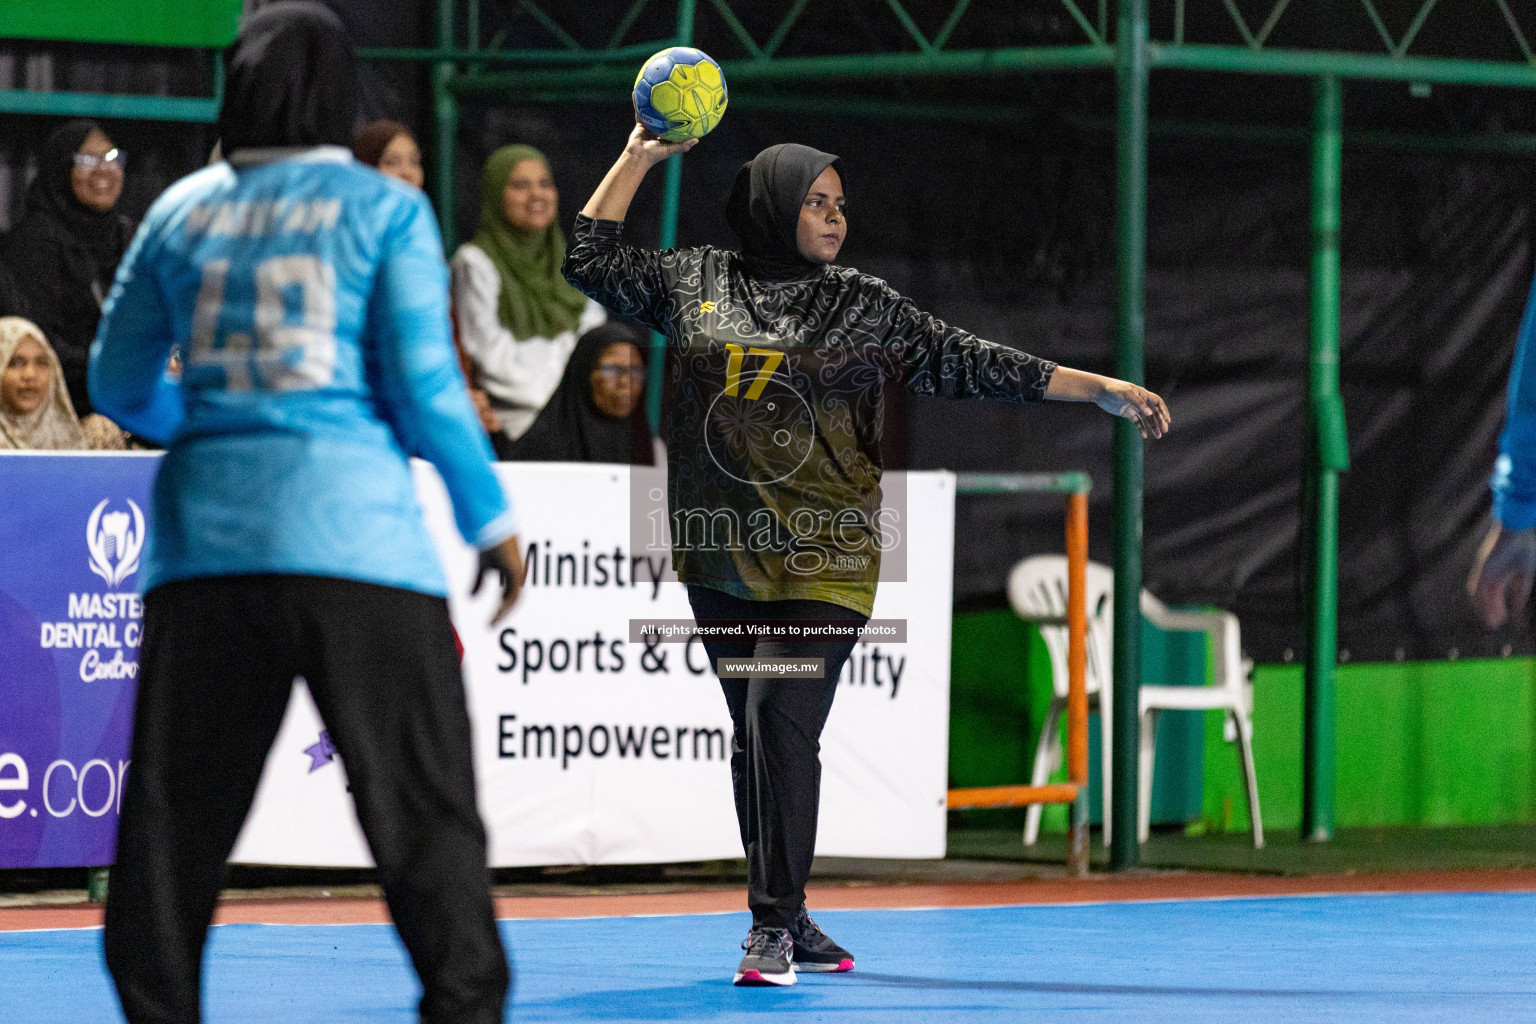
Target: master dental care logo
106, 627
114, 542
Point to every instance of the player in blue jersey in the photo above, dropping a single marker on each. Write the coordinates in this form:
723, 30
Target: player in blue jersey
1506, 562
309, 294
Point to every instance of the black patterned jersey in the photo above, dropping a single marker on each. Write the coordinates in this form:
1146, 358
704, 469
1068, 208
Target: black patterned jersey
774, 404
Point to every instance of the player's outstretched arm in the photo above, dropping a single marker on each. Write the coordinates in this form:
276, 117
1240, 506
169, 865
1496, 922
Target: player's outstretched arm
126, 374
1116, 397
617, 189
423, 394
934, 358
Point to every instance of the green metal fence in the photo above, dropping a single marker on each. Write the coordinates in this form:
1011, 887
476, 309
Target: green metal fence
537, 58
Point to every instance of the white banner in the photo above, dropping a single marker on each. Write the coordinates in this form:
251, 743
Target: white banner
590, 749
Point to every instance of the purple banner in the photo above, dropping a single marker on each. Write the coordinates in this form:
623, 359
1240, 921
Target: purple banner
72, 529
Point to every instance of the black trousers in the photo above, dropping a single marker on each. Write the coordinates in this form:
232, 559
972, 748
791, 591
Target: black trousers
776, 746
217, 667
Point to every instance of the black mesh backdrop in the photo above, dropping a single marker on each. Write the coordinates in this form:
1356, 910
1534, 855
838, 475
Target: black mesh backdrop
1009, 234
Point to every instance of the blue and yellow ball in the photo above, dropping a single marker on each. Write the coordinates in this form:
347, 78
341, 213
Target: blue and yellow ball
680, 94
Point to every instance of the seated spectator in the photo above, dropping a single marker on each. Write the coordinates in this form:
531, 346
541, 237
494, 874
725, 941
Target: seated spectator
595, 414
518, 318
35, 411
65, 250
389, 146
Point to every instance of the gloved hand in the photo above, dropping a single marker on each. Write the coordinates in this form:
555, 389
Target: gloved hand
1501, 578
506, 560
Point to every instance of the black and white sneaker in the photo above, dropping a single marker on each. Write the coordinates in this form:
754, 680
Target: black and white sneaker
814, 950
769, 959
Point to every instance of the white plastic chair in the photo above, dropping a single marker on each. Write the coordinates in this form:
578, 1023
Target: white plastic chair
1037, 590
1231, 692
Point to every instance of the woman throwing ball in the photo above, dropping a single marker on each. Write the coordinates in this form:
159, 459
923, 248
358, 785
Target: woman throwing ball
773, 393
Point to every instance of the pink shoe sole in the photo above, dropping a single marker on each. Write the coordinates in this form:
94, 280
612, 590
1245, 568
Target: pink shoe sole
843, 966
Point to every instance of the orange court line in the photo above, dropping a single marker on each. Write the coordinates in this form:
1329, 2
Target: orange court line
1095, 889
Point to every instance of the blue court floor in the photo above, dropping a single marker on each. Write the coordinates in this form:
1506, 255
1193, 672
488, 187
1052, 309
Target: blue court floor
1365, 959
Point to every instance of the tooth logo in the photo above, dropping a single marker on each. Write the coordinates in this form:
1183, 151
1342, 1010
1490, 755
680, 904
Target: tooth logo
114, 542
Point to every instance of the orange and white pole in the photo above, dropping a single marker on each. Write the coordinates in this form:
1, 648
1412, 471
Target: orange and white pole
1077, 673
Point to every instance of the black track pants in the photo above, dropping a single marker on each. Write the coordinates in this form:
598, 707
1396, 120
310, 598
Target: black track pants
776, 747
219, 659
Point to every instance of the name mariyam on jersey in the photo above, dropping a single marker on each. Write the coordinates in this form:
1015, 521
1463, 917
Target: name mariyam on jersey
255, 219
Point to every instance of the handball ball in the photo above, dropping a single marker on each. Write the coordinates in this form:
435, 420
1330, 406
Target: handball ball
680, 94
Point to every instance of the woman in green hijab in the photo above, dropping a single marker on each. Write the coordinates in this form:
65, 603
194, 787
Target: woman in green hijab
518, 319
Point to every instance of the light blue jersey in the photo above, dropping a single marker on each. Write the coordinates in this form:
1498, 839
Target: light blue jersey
1514, 475
310, 297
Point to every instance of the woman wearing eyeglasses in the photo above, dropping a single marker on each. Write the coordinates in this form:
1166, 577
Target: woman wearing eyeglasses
64, 252
595, 414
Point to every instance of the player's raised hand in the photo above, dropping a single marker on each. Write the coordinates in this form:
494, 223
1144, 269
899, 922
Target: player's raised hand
1137, 404
1501, 577
651, 149
506, 560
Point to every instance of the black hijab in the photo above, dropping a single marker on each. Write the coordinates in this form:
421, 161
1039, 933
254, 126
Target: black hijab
103, 236
764, 208
291, 80
62, 257
571, 428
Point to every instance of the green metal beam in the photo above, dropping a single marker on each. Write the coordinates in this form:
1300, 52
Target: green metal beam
782, 31
1327, 456
1379, 25
550, 25
200, 109
1401, 50
1094, 35
911, 26
671, 199
121, 106
1242, 25
842, 105
618, 54
1075, 482
948, 63
1514, 28
445, 111
737, 28
955, 14
1131, 78
626, 23
1312, 63
1510, 144
1039, 59
1265, 29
